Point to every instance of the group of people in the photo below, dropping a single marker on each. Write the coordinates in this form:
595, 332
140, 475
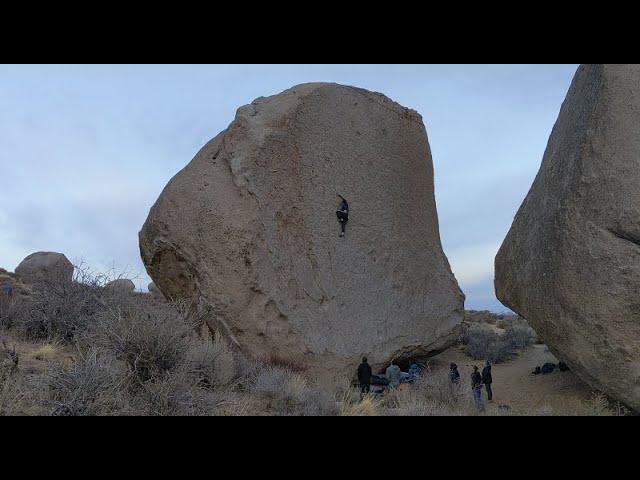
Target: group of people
478, 380
393, 375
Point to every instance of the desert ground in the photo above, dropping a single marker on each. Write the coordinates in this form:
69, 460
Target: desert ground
137, 354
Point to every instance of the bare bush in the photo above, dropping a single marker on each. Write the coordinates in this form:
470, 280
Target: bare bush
520, 335
90, 386
58, 309
7, 311
483, 342
289, 393
212, 362
352, 405
174, 393
150, 342
314, 402
433, 394
19, 395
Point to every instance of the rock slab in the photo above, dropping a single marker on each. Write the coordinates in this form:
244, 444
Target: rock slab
570, 264
248, 231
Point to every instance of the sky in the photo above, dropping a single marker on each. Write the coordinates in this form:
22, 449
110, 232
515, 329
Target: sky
85, 150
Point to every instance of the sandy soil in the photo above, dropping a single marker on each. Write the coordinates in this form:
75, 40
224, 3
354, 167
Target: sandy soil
516, 390
33, 358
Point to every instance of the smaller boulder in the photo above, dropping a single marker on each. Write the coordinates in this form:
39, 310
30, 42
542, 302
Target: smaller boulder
47, 267
121, 285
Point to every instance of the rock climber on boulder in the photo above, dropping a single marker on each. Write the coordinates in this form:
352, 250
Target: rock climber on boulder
343, 214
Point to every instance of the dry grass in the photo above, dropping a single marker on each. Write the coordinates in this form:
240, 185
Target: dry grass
132, 355
46, 352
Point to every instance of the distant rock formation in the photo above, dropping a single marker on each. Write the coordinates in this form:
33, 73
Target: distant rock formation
123, 285
248, 232
571, 263
45, 267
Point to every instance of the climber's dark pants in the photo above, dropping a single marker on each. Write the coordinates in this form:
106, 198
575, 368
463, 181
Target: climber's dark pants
343, 218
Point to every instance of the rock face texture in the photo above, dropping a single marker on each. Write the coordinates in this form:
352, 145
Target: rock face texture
123, 285
248, 232
571, 263
45, 267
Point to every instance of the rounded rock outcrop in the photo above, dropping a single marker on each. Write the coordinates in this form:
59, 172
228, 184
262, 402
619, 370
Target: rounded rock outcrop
48, 267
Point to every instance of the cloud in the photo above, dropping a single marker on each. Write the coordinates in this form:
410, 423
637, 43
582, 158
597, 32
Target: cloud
473, 263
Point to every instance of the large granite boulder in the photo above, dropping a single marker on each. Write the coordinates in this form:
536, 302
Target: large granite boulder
571, 263
248, 232
47, 267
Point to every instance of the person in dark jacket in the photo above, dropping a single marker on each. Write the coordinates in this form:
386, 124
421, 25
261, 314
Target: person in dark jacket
487, 380
476, 387
364, 376
343, 214
454, 374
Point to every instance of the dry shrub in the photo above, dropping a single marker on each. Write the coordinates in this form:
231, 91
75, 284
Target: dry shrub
89, 386
212, 362
143, 358
149, 341
175, 393
289, 393
354, 406
483, 342
60, 310
285, 364
7, 311
45, 352
19, 396
55, 311
432, 394
504, 323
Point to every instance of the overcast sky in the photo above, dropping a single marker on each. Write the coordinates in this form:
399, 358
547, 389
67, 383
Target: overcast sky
86, 150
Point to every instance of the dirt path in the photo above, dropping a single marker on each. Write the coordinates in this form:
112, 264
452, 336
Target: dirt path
516, 388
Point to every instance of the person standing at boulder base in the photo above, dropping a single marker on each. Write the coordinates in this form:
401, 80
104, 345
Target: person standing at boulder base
454, 374
393, 375
476, 387
343, 214
364, 376
487, 380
